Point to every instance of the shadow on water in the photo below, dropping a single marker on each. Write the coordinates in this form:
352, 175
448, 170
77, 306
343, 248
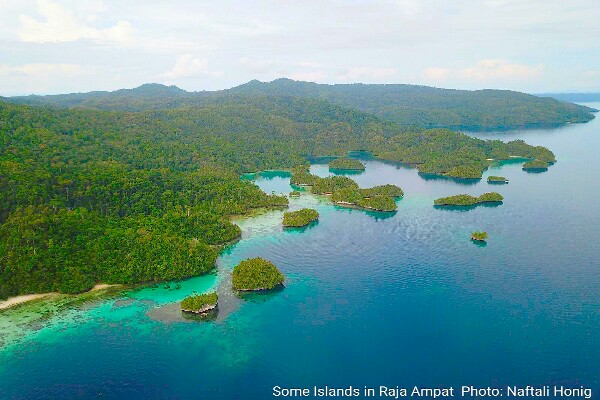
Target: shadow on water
377, 215
535, 170
479, 243
260, 296
489, 204
275, 174
346, 171
460, 181
268, 175
397, 164
510, 161
497, 183
361, 155
300, 229
320, 160
299, 188
209, 316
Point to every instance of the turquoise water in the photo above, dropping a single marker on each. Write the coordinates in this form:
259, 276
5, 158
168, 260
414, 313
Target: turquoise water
370, 299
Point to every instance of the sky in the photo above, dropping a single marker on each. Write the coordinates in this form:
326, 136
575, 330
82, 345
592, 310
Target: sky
65, 46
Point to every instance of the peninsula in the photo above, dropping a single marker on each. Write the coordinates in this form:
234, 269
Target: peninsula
536, 165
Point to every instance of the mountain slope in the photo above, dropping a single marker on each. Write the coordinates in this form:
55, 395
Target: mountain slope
573, 97
406, 105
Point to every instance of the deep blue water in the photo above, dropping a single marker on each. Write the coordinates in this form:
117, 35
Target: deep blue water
370, 299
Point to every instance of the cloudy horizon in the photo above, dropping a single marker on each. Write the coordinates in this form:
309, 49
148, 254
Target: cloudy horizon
64, 46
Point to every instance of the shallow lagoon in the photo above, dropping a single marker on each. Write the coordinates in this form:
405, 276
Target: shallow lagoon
371, 299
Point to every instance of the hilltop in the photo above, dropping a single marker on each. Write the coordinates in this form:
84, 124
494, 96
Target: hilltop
405, 105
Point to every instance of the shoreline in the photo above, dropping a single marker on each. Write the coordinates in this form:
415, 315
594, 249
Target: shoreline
26, 298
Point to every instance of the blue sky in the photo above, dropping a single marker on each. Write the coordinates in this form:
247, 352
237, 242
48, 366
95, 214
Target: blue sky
60, 46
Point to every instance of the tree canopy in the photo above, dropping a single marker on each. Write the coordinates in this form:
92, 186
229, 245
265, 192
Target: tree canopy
200, 303
256, 274
300, 218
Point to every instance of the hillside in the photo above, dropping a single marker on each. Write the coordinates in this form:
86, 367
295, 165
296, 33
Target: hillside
90, 196
405, 105
574, 97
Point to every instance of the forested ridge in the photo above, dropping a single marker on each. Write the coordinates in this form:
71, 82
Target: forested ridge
406, 105
90, 196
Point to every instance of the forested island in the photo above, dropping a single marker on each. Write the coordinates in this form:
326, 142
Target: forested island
200, 304
138, 195
331, 184
346, 164
378, 198
256, 274
496, 179
300, 218
479, 236
468, 200
405, 105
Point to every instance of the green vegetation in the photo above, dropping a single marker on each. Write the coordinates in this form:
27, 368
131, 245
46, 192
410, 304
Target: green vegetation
479, 236
379, 198
294, 193
491, 197
330, 184
143, 193
302, 177
345, 163
377, 203
453, 154
300, 218
382, 190
256, 274
536, 165
200, 303
457, 200
468, 200
406, 105
496, 179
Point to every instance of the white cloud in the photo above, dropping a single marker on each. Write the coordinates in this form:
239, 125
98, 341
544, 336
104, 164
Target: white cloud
310, 76
187, 66
42, 78
437, 73
39, 70
61, 24
487, 70
355, 74
257, 66
310, 64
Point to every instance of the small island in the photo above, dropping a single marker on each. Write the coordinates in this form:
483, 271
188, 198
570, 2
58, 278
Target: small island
378, 198
347, 164
497, 179
200, 304
468, 200
256, 274
330, 184
300, 218
536, 165
294, 193
479, 236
